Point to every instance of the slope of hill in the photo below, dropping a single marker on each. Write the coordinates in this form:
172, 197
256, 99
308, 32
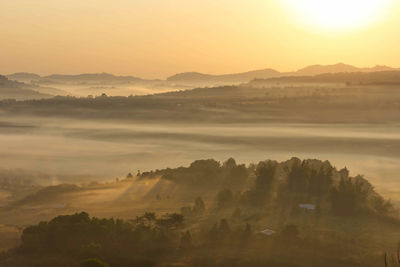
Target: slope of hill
98, 83
24, 77
338, 68
360, 78
73, 79
19, 91
90, 78
288, 213
200, 78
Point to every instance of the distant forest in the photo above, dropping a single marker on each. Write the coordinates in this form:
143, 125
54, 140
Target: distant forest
258, 101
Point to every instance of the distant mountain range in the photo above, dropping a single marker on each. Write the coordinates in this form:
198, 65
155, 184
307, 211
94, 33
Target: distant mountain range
192, 77
350, 78
197, 78
91, 78
33, 86
338, 68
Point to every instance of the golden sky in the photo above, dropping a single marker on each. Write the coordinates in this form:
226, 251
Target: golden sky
157, 38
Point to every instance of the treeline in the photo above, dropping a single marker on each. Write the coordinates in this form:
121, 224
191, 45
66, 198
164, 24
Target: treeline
283, 186
233, 104
103, 106
148, 240
72, 239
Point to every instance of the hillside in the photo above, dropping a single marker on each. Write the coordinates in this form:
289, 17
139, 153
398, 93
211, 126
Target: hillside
20, 91
355, 78
287, 99
200, 78
293, 213
188, 79
24, 77
90, 78
338, 68
196, 78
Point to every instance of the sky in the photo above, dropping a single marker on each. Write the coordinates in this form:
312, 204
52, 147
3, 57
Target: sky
158, 38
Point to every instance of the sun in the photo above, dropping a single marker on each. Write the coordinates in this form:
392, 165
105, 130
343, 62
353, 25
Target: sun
339, 14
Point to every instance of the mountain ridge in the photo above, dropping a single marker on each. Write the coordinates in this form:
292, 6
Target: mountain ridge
196, 79
233, 77
199, 76
351, 78
340, 68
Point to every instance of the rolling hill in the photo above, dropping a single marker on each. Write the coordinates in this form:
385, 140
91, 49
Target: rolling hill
357, 78
24, 77
338, 68
20, 91
93, 83
200, 78
90, 78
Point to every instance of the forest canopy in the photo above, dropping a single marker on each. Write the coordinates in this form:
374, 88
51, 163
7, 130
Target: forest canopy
266, 214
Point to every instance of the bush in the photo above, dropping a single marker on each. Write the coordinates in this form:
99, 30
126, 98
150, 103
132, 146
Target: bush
94, 262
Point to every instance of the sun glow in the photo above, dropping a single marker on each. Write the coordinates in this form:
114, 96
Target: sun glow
339, 14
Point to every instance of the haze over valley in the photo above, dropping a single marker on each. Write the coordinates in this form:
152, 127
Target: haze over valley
183, 133
24, 85
348, 118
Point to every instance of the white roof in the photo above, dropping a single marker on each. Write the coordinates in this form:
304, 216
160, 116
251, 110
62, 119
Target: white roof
307, 206
267, 232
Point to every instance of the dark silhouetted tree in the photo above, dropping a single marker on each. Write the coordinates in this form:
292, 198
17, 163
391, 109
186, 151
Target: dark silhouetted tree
225, 199
263, 187
199, 206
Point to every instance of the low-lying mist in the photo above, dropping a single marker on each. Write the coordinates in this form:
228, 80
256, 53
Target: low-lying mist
71, 150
